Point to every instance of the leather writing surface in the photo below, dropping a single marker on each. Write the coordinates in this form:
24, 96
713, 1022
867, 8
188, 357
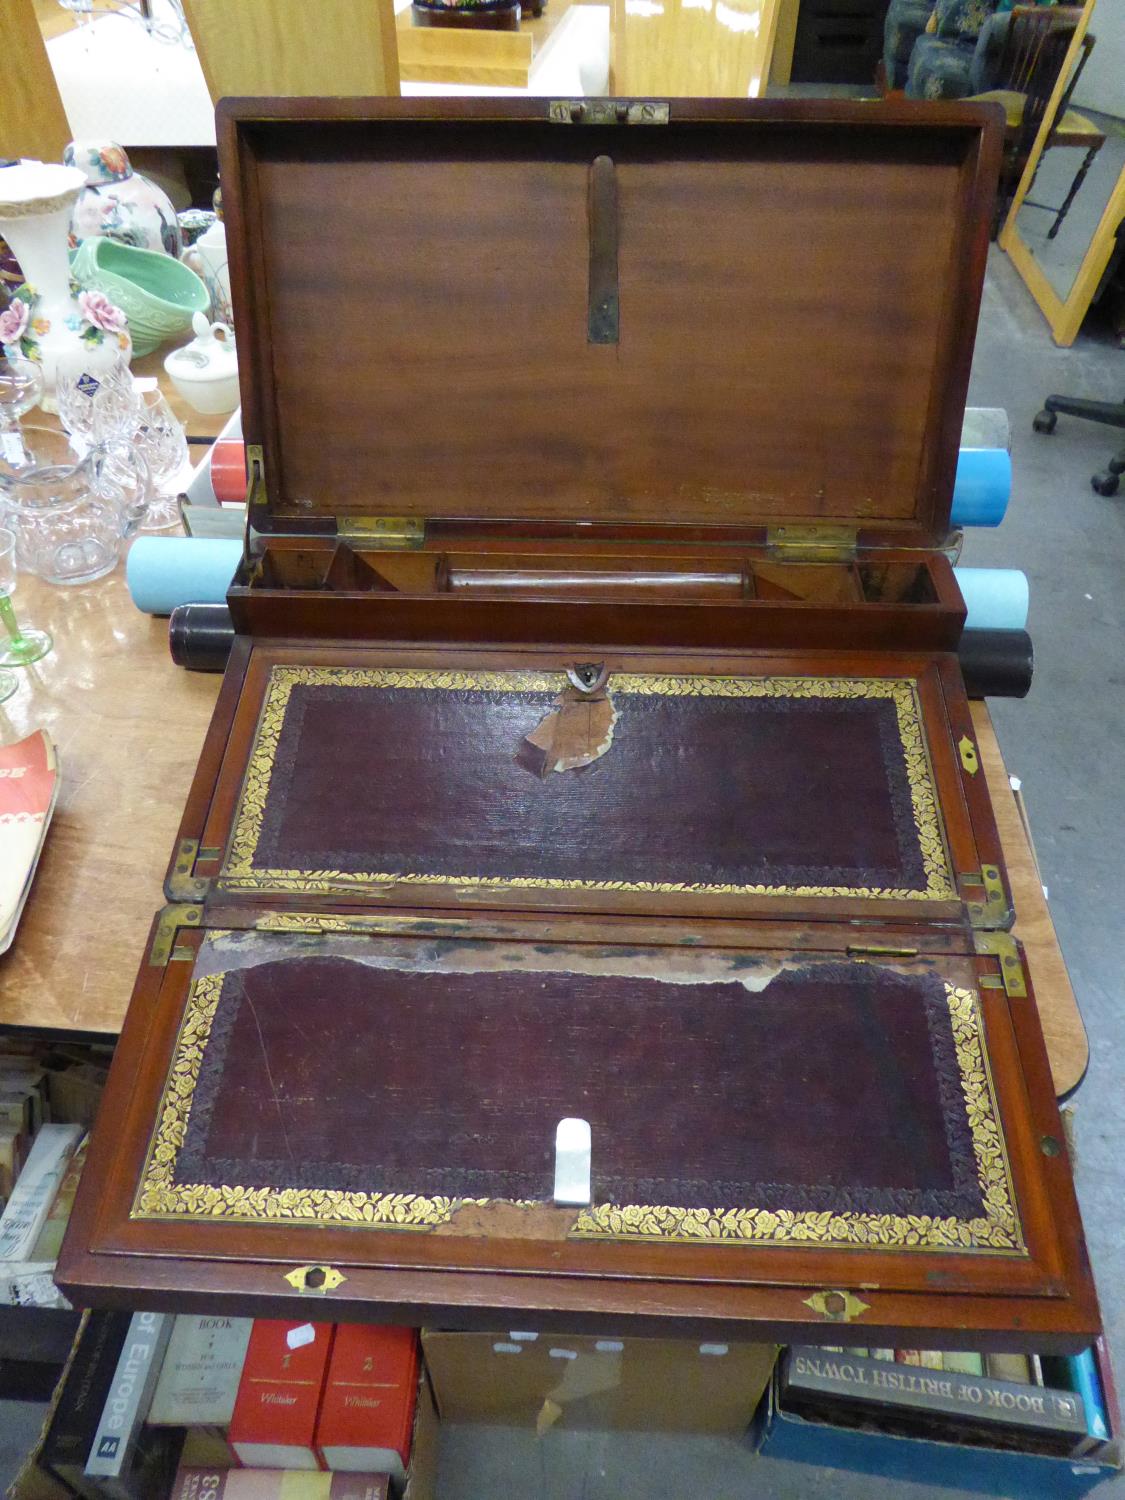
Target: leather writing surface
818, 786
459, 1080
354, 1080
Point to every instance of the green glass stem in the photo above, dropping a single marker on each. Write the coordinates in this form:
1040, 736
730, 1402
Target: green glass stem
11, 624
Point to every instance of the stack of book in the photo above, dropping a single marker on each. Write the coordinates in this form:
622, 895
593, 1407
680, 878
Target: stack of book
49, 1093
201, 1407
992, 1400
42, 1165
29, 785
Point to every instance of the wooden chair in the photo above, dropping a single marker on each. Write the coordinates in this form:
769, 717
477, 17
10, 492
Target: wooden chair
1033, 54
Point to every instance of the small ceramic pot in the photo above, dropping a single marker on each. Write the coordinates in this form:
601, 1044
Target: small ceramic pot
205, 372
119, 203
194, 223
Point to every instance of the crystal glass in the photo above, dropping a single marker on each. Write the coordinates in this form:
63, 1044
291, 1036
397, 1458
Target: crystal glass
8, 684
71, 510
144, 419
21, 385
76, 387
22, 646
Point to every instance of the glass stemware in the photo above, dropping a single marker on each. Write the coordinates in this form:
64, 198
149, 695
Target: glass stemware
22, 646
21, 385
76, 388
144, 419
8, 684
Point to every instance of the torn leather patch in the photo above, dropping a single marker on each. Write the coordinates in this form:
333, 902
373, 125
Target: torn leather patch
579, 728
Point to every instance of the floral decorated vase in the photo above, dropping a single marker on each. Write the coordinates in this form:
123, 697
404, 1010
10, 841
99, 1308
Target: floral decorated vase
119, 203
48, 319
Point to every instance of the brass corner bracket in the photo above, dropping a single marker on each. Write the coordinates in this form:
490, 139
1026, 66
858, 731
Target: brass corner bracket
174, 916
183, 884
995, 910
1002, 945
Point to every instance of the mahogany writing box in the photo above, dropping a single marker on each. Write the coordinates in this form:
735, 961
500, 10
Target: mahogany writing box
593, 747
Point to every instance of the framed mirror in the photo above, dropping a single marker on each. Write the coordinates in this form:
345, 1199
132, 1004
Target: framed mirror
1069, 204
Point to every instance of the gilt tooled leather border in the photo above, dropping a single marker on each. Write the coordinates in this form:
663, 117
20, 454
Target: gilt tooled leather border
911, 788
977, 1215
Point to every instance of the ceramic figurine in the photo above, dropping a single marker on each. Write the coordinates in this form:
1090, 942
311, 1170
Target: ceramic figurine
119, 203
47, 317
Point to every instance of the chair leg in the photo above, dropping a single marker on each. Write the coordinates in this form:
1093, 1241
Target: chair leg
1079, 178
1108, 482
1111, 413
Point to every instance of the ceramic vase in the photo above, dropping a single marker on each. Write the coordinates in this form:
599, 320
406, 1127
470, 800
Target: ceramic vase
45, 319
119, 203
208, 259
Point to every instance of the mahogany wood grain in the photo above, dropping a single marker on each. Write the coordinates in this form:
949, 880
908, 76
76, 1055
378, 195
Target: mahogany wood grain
565, 592
711, 410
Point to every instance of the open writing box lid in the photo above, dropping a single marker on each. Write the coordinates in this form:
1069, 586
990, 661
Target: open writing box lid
506, 313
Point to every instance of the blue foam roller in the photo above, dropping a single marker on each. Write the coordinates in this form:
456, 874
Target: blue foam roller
982, 487
166, 571
997, 598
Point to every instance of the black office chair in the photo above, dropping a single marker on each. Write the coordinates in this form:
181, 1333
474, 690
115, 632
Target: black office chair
1111, 413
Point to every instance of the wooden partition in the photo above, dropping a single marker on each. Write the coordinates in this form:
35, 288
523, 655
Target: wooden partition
270, 47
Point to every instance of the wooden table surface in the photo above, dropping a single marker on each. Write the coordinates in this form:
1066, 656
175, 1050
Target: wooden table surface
129, 726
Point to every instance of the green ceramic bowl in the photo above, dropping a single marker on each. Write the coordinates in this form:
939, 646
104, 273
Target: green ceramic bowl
155, 292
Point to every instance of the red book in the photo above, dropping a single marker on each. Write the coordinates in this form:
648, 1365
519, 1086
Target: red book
274, 1420
367, 1415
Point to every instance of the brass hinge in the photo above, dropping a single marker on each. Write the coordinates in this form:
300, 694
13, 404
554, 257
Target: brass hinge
386, 533
255, 491
994, 910
814, 543
182, 884
1002, 945
608, 112
171, 919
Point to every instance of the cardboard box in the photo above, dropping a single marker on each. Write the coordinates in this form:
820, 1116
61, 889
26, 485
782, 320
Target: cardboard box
648, 1385
991, 1471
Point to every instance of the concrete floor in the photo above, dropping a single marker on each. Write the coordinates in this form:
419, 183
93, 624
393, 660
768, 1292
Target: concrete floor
1067, 743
